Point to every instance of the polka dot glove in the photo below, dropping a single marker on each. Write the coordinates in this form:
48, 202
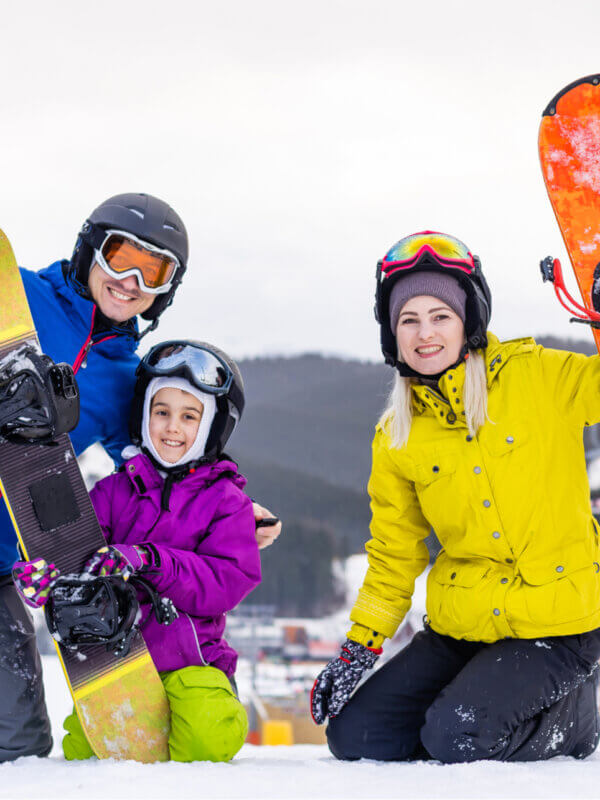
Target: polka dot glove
334, 685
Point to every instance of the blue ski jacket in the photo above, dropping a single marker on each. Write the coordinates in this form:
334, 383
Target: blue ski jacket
106, 376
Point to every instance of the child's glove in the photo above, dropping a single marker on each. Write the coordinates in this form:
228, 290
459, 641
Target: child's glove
34, 580
123, 560
334, 685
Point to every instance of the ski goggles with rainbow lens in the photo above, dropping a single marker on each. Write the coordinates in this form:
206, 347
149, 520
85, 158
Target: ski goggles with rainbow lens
122, 254
202, 367
444, 249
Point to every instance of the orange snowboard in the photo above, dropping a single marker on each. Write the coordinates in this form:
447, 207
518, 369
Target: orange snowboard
569, 147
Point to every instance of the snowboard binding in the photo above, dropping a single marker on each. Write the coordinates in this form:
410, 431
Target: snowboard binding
551, 270
39, 400
84, 611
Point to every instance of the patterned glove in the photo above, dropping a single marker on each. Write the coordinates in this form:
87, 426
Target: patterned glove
108, 560
334, 685
122, 559
34, 580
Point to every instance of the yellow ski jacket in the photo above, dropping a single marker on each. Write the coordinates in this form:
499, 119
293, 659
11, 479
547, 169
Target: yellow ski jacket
510, 507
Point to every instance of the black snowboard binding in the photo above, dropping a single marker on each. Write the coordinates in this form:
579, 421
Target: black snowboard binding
103, 610
39, 400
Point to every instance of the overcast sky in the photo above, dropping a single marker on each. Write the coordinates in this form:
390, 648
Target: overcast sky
298, 141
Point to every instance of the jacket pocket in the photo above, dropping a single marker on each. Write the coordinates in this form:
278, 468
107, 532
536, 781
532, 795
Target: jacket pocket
563, 588
503, 439
454, 592
465, 574
556, 568
435, 483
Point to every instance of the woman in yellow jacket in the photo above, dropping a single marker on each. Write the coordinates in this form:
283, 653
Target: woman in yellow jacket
482, 441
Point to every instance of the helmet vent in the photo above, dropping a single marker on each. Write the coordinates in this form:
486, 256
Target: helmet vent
137, 211
170, 227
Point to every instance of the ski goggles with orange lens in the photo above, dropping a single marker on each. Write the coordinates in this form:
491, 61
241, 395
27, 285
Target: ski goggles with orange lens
122, 254
445, 249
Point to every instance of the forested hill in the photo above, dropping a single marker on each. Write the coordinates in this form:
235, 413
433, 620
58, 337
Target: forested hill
305, 439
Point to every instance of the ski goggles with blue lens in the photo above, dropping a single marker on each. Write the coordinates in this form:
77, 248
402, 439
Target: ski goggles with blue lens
445, 249
202, 367
122, 254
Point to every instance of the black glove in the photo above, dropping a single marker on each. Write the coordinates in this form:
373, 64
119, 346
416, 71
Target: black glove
334, 685
39, 400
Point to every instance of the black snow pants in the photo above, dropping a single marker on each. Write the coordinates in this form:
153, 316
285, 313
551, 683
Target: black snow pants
24, 723
458, 701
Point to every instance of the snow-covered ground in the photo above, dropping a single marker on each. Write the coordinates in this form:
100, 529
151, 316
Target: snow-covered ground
300, 771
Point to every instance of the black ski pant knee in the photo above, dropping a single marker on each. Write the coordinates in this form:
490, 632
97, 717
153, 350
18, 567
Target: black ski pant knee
24, 723
459, 701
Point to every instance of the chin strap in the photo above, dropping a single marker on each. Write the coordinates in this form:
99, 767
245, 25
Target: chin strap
409, 372
551, 270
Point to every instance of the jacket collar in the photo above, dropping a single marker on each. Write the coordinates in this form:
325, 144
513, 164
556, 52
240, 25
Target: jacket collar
144, 476
80, 308
446, 401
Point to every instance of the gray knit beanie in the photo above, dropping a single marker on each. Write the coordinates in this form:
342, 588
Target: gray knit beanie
433, 284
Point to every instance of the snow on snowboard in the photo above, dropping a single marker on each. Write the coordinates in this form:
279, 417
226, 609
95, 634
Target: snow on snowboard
569, 148
120, 700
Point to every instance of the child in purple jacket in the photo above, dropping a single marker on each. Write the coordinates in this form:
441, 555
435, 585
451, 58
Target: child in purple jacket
176, 513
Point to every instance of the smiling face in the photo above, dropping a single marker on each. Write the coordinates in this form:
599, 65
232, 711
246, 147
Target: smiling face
174, 420
430, 335
117, 300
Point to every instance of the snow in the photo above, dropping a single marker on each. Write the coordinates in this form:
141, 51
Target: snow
299, 771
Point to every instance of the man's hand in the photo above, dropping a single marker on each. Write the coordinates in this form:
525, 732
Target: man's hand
265, 535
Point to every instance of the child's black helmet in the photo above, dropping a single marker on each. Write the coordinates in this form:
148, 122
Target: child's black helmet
208, 369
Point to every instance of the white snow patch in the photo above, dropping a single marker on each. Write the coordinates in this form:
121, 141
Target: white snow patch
270, 773
539, 643
584, 139
122, 713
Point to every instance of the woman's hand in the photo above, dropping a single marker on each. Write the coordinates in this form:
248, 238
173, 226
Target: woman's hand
265, 535
334, 685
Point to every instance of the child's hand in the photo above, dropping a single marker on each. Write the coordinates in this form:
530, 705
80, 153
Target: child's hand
34, 580
265, 536
108, 560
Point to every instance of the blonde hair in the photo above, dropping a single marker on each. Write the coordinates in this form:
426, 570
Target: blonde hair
396, 419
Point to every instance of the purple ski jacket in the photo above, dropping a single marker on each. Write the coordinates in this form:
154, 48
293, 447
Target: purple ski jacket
205, 553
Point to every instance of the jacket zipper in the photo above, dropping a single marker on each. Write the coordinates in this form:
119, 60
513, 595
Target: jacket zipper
81, 360
197, 642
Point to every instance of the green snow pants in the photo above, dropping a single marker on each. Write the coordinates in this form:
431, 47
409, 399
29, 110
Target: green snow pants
208, 722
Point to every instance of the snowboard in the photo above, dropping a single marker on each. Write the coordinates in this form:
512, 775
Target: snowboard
120, 701
569, 149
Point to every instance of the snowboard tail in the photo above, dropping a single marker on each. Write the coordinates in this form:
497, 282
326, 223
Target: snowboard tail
120, 701
569, 148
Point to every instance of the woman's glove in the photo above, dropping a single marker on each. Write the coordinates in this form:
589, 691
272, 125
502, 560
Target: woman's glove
34, 580
123, 560
334, 685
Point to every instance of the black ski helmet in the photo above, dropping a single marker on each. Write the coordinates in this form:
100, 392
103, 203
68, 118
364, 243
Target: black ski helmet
478, 305
146, 217
179, 355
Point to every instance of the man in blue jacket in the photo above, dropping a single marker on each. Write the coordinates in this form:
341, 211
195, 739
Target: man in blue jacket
128, 261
